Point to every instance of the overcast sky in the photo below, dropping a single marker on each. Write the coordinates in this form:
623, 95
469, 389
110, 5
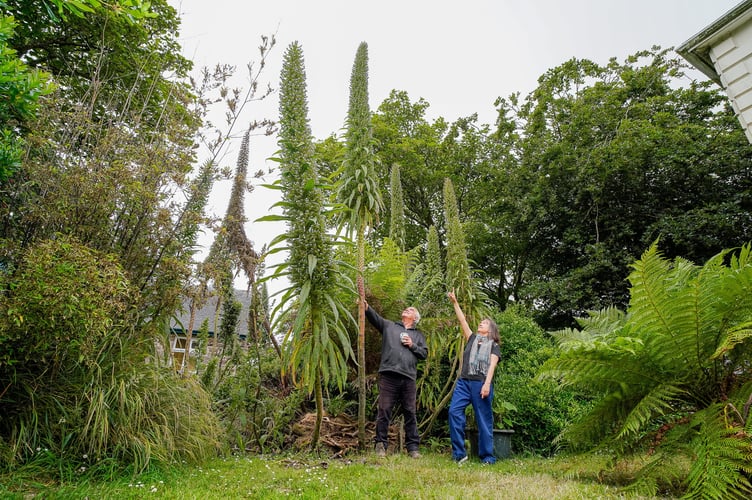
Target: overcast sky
458, 56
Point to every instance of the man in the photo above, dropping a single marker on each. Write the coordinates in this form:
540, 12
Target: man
402, 346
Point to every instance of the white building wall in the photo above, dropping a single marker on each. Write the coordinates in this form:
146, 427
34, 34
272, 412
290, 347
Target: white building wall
732, 58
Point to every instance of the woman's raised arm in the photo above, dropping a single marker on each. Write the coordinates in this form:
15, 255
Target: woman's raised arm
466, 331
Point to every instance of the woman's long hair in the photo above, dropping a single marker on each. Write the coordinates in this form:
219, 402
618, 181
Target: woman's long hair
493, 331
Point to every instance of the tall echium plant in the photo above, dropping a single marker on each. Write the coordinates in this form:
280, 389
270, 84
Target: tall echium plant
458, 273
317, 340
435, 384
426, 284
397, 209
434, 268
359, 192
232, 247
457, 279
457, 265
232, 251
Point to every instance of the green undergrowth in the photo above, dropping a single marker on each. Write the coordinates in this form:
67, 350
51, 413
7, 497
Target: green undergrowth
397, 476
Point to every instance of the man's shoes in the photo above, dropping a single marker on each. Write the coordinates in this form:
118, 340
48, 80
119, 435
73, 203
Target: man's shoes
380, 450
461, 461
414, 454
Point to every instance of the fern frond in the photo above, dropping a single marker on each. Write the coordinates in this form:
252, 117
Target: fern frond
572, 338
657, 402
732, 337
722, 455
596, 425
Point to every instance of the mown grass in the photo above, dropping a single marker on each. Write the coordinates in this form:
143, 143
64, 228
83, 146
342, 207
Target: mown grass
434, 476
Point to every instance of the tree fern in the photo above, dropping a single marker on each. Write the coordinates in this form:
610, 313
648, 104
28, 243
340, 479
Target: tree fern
659, 401
682, 348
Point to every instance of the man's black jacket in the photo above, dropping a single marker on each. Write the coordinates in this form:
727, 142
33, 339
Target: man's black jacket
395, 357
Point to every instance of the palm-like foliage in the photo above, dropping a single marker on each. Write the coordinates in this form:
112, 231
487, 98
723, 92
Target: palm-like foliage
670, 368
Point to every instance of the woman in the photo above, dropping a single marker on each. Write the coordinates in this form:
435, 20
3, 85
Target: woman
475, 386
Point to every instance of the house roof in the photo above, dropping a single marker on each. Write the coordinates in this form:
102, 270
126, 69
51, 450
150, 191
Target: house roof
696, 50
210, 312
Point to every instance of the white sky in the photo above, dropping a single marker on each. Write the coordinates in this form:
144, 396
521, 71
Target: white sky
458, 56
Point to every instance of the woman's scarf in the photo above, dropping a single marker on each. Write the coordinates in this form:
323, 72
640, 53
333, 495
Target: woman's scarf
480, 355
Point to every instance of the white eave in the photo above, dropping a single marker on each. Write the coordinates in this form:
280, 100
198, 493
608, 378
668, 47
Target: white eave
696, 50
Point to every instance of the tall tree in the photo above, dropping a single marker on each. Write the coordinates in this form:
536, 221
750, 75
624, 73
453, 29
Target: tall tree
20, 89
122, 54
22, 86
606, 159
318, 344
108, 165
359, 192
133, 10
110, 151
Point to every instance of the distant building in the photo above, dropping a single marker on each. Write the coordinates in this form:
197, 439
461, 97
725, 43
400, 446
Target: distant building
180, 341
723, 51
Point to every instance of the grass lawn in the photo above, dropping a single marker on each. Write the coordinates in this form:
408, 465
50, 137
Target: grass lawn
434, 475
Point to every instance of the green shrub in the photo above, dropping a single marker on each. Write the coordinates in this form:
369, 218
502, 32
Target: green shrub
255, 408
78, 381
537, 411
62, 306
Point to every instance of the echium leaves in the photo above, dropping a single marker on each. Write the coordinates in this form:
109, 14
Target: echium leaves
359, 193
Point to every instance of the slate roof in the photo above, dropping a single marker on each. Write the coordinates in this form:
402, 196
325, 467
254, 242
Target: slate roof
209, 311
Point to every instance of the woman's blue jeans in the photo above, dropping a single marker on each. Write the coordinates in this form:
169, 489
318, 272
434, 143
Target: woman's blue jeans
467, 392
